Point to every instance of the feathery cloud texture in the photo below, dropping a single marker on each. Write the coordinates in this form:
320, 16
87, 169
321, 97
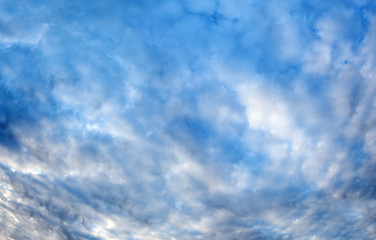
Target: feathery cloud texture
187, 119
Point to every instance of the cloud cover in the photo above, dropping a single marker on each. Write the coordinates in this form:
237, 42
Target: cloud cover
187, 119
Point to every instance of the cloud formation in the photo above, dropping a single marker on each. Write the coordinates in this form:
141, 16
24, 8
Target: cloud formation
187, 119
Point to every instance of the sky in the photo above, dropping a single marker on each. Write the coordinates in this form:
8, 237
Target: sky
185, 119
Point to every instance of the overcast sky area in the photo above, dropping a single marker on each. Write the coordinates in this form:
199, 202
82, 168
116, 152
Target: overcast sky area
187, 119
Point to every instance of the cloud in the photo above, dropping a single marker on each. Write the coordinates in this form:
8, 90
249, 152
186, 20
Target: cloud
187, 120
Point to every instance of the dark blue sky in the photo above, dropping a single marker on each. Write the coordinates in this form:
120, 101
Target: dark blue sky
184, 119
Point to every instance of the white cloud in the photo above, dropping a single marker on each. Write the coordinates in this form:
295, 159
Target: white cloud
163, 121
318, 59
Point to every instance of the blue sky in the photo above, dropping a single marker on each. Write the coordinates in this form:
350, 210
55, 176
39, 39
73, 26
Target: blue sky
182, 119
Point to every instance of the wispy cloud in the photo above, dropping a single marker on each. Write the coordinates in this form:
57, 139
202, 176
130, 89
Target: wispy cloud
187, 120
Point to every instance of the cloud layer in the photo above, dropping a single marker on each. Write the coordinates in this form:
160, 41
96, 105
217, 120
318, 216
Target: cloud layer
187, 119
